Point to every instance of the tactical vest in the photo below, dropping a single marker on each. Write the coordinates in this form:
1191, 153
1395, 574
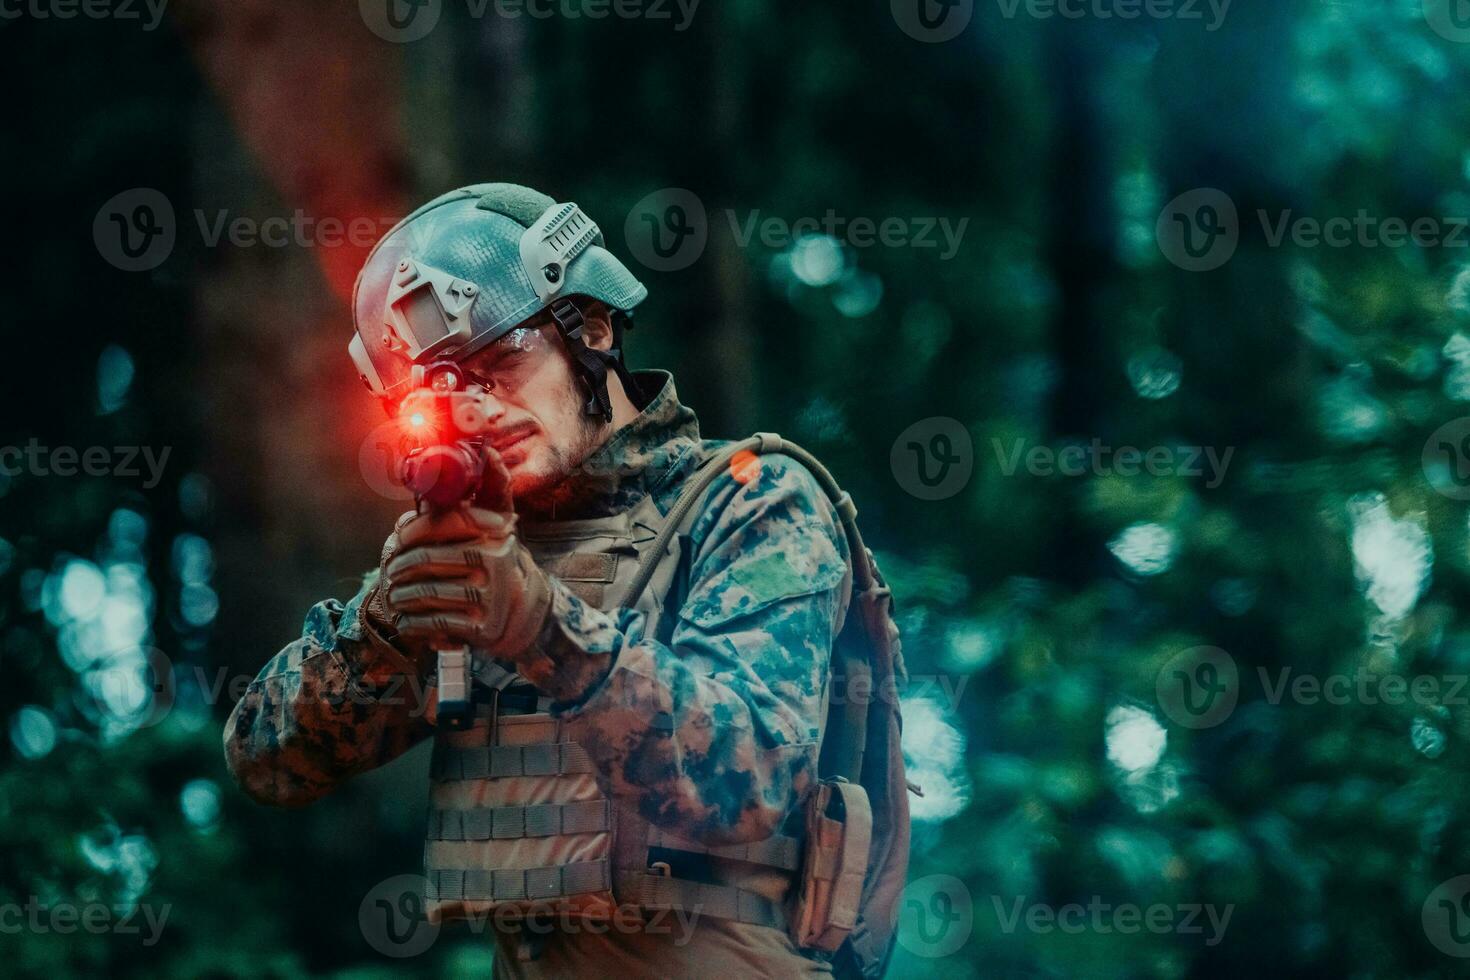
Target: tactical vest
516, 816
517, 822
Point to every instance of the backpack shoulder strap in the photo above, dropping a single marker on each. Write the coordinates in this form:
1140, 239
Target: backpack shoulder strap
683, 513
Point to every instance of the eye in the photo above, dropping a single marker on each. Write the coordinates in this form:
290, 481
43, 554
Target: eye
475, 377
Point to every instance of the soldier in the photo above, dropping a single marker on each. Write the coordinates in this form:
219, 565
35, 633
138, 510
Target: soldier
648, 757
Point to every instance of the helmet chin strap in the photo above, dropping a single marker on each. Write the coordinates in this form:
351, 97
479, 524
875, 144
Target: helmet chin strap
592, 364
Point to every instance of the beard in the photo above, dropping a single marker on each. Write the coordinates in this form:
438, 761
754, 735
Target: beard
548, 482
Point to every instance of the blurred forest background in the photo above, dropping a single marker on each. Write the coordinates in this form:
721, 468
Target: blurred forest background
1060, 772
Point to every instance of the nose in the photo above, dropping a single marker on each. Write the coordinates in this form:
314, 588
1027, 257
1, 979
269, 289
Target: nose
480, 413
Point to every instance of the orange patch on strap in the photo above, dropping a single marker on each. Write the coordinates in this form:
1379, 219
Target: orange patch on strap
745, 466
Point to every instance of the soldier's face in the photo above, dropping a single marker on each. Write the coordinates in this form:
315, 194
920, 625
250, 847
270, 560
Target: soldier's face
542, 432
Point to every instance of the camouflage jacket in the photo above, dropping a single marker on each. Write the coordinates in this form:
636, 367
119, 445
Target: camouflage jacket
712, 736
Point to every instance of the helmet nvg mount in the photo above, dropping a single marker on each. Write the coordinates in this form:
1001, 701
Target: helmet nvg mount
469, 267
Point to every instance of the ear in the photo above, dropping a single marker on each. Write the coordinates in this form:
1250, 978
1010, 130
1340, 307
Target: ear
597, 331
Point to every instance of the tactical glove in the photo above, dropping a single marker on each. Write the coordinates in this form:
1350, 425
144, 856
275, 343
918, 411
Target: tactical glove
378, 616
461, 576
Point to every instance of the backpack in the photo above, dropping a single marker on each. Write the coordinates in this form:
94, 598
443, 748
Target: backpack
861, 735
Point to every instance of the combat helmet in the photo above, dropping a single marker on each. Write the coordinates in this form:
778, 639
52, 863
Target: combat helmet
473, 264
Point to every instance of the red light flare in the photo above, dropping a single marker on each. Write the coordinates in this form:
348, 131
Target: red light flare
317, 98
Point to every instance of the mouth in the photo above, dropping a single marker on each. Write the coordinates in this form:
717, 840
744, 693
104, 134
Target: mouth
507, 443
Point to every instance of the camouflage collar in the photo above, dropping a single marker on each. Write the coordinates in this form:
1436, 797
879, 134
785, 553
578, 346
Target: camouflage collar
640, 458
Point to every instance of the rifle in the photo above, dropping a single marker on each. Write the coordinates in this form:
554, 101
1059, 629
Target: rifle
445, 469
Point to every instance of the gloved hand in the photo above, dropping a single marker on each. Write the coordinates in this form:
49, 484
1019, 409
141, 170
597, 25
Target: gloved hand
461, 576
379, 616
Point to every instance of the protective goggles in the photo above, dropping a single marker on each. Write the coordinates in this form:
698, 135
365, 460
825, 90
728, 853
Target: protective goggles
508, 364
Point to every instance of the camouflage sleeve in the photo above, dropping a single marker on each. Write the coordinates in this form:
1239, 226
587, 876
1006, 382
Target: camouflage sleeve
714, 735
338, 701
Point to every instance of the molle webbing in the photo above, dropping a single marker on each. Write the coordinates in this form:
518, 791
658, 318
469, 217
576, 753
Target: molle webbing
518, 884
657, 892
777, 851
525, 838
503, 761
512, 822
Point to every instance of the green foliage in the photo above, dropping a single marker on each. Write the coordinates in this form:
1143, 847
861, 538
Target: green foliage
1052, 607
